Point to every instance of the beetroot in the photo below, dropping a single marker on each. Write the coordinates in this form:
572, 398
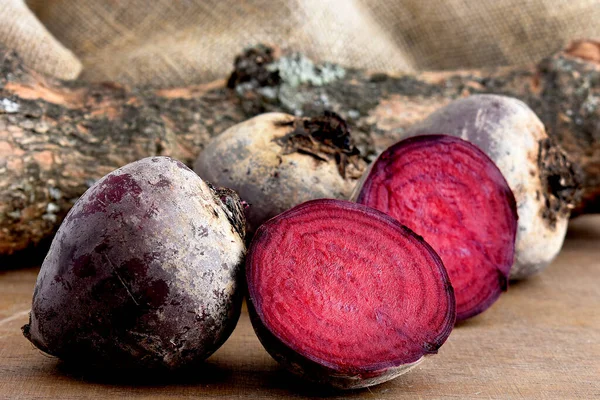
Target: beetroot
543, 180
344, 295
449, 191
276, 161
145, 271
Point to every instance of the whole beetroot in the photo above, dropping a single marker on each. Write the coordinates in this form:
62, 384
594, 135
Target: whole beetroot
275, 161
543, 180
144, 271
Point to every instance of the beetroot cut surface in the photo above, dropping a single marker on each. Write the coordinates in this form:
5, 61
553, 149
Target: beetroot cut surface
451, 193
345, 295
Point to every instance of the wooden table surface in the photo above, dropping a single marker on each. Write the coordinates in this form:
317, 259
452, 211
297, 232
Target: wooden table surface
541, 340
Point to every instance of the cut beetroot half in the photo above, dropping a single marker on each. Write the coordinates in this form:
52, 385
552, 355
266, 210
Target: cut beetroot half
345, 295
451, 193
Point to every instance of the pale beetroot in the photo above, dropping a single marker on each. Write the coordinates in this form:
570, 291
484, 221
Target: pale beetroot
344, 295
451, 193
276, 161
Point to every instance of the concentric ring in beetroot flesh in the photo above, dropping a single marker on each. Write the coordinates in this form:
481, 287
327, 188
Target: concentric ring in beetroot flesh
451, 193
348, 288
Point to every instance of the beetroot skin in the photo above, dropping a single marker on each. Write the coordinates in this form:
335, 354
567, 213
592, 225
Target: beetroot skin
344, 295
144, 272
449, 191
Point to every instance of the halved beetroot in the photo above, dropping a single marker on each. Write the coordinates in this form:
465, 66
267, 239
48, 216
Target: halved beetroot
345, 295
449, 191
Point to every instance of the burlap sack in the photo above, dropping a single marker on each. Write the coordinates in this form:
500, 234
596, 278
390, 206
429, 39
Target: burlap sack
170, 43
22, 31
174, 43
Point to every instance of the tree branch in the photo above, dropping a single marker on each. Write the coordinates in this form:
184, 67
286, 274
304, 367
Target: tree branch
57, 137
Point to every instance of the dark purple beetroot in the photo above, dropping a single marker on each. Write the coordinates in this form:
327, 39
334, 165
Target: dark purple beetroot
144, 271
344, 295
449, 191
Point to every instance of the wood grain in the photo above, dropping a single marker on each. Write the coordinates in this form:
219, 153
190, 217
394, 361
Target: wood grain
541, 340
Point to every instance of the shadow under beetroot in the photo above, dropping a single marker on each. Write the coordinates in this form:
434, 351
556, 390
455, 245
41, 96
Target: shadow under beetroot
584, 228
283, 381
32, 256
472, 322
206, 373
229, 378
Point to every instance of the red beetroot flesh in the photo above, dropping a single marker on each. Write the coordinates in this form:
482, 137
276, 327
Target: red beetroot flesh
349, 288
449, 191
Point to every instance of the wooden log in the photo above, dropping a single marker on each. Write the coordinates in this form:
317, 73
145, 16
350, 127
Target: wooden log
58, 137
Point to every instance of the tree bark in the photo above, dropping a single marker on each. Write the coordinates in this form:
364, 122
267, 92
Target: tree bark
58, 137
